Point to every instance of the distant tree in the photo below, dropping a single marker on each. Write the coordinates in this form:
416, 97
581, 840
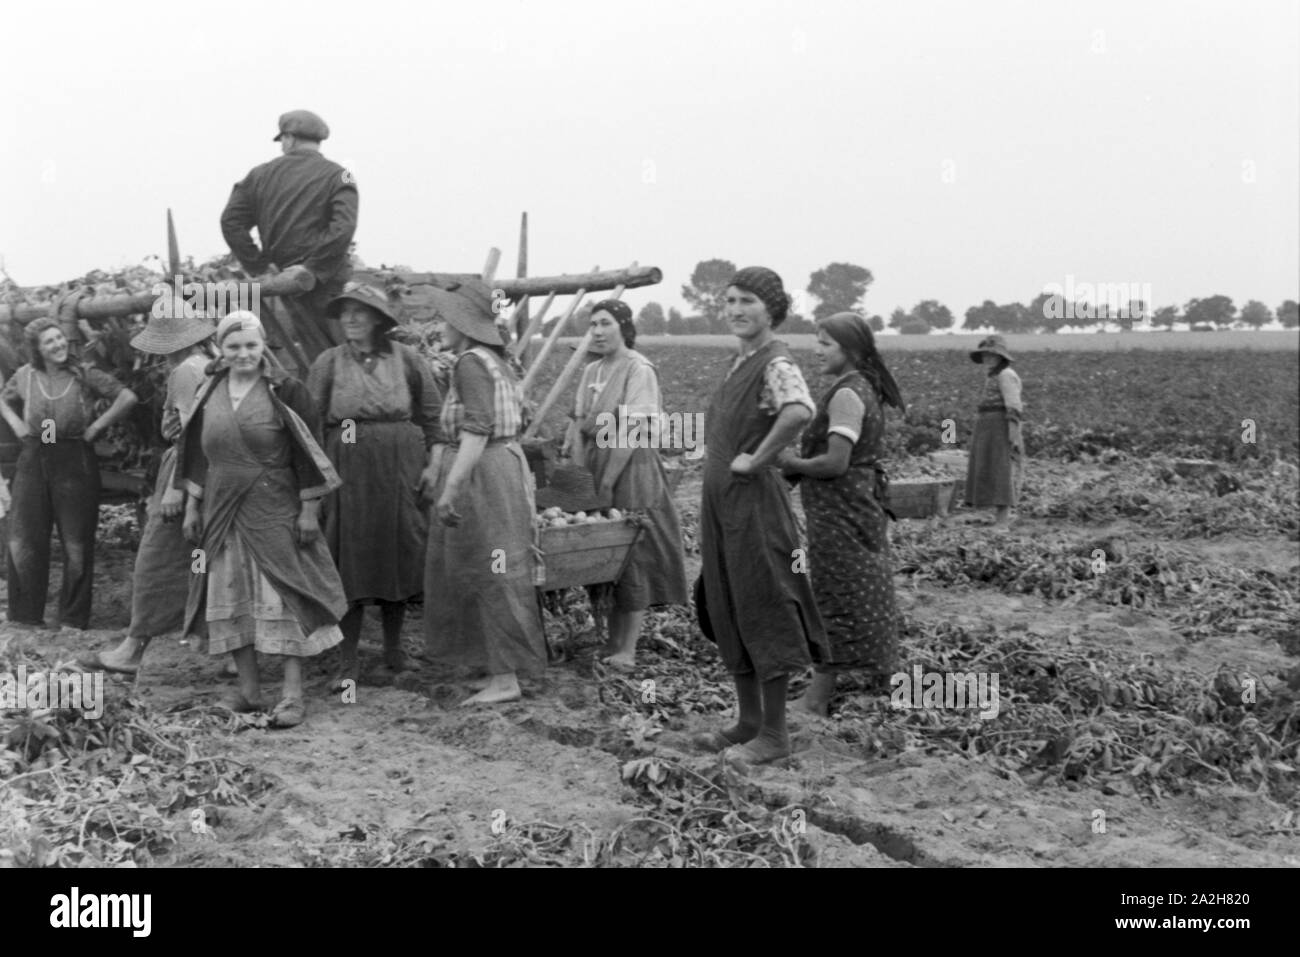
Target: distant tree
676, 324
933, 313
708, 288
1016, 317
983, 316
839, 288
1165, 316
796, 324
1047, 312
1255, 313
1289, 314
1136, 310
650, 321
914, 326
897, 318
698, 326
1216, 310
878, 325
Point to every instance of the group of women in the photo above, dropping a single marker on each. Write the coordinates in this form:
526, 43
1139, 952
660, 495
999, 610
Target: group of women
379, 481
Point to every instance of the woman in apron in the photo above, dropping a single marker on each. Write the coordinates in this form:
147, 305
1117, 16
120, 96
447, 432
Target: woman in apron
760, 601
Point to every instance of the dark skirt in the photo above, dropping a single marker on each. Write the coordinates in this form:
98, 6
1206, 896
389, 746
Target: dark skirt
160, 583
851, 574
993, 478
374, 525
481, 606
656, 569
761, 609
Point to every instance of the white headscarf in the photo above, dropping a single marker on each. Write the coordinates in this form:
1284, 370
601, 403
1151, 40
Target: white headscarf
239, 321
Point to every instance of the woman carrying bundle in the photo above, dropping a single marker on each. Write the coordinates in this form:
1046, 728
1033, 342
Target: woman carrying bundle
56, 481
255, 476
843, 490
618, 395
759, 600
481, 608
380, 409
997, 450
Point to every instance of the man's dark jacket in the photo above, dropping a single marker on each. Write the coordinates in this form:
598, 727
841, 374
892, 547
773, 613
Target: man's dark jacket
305, 209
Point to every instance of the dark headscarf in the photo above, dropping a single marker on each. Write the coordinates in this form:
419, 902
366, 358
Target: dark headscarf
622, 314
767, 286
851, 332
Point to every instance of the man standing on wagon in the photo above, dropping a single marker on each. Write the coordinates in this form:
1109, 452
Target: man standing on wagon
305, 209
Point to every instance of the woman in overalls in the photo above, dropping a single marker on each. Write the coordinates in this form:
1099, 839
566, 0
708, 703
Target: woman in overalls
56, 482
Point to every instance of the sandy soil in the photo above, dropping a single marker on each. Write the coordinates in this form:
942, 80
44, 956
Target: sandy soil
405, 759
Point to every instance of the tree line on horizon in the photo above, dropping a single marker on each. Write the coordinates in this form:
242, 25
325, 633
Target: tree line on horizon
842, 287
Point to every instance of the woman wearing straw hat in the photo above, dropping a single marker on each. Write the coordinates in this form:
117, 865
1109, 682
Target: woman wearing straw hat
255, 475
379, 406
56, 482
160, 582
618, 395
760, 601
480, 608
843, 487
997, 450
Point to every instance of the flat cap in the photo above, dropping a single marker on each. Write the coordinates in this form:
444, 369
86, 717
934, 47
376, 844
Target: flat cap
303, 123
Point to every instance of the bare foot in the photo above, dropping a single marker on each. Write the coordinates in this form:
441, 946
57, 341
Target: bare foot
623, 660
125, 658
478, 684
500, 688
764, 749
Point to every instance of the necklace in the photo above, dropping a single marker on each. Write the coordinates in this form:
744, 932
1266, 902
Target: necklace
40, 384
237, 395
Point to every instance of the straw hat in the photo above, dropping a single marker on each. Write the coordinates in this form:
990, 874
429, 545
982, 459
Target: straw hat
467, 308
994, 344
168, 334
367, 296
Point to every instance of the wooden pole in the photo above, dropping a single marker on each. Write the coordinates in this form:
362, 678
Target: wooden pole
562, 382
104, 307
173, 246
549, 342
490, 267
521, 271
565, 285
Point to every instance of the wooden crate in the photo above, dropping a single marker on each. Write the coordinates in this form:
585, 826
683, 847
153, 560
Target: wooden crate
587, 554
923, 499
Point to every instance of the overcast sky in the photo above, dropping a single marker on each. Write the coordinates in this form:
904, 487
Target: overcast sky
960, 151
